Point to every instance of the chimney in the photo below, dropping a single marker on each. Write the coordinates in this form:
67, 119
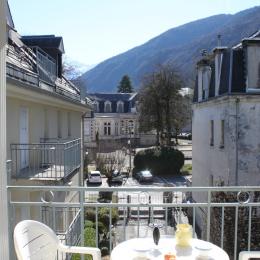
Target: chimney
219, 40
218, 54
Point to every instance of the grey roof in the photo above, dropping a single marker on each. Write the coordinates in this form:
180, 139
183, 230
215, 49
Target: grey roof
225, 71
128, 99
111, 96
44, 41
9, 18
233, 69
238, 71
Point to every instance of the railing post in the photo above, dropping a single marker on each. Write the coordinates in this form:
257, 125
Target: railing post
82, 219
4, 237
149, 210
128, 208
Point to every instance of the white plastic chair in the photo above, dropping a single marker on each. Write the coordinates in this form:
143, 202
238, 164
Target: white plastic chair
245, 255
34, 241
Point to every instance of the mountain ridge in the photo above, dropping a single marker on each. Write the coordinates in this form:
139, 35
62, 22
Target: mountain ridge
180, 46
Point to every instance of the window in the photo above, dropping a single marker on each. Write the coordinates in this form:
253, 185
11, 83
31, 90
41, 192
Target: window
96, 107
222, 135
120, 107
107, 107
211, 132
107, 128
116, 128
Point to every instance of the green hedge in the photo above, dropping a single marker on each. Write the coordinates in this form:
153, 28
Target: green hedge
160, 161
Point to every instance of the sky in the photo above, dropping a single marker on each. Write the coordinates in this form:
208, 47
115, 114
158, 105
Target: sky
95, 30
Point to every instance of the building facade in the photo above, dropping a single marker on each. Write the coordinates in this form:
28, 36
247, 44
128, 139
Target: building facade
226, 122
45, 114
114, 121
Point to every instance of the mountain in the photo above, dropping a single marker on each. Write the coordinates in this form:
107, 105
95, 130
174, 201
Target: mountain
180, 46
74, 69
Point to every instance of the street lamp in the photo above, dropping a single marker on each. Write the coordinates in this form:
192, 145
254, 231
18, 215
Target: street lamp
130, 159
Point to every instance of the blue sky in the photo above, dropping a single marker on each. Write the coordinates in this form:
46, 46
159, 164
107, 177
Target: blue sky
94, 30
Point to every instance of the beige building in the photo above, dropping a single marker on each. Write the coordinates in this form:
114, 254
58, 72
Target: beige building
44, 125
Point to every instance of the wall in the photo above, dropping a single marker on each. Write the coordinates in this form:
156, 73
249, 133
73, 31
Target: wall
239, 161
37, 121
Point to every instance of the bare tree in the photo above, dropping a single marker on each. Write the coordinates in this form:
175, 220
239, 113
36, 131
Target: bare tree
107, 163
159, 101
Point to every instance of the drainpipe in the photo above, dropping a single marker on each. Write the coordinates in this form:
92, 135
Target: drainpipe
4, 237
82, 155
237, 133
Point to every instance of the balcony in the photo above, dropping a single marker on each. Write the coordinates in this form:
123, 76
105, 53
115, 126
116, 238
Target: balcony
37, 69
226, 216
48, 160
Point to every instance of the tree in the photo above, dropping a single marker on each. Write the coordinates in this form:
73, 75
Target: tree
125, 85
161, 101
182, 114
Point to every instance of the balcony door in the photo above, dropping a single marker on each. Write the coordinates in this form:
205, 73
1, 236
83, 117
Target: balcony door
24, 137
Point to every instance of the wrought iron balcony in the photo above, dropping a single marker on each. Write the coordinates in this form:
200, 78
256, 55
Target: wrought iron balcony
226, 216
49, 160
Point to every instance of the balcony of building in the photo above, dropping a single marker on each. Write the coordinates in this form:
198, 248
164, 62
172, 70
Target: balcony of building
51, 159
35, 68
226, 216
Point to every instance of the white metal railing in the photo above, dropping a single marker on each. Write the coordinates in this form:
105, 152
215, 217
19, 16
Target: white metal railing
226, 216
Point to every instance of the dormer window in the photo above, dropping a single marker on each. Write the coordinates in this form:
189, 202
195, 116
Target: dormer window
120, 107
96, 107
107, 107
252, 58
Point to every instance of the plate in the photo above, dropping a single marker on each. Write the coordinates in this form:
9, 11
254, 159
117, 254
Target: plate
204, 248
142, 248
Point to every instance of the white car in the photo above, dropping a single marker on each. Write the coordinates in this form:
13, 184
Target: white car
94, 177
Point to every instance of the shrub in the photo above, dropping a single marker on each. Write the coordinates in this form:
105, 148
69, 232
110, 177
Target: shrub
90, 240
103, 216
89, 223
160, 161
90, 214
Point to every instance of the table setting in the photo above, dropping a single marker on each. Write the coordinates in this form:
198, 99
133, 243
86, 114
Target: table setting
180, 247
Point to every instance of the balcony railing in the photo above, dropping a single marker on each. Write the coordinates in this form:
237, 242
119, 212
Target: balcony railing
38, 69
52, 160
226, 216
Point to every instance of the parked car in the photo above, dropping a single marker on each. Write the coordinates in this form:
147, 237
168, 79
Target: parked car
94, 177
144, 176
116, 178
185, 136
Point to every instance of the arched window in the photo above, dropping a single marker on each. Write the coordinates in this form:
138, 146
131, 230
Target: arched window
120, 107
96, 107
107, 107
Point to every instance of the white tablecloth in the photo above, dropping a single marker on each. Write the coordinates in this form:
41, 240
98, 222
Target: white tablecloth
144, 248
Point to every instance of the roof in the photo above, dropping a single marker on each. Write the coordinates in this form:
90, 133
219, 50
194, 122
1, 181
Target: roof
128, 99
9, 18
233, 68
111, 96
44, 42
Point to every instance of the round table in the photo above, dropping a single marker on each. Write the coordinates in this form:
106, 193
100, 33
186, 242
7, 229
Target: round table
144, 249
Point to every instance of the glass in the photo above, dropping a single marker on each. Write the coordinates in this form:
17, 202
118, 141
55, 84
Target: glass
183, 235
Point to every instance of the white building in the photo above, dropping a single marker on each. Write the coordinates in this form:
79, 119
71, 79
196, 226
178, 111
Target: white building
114, 121
44, 118
226, 116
